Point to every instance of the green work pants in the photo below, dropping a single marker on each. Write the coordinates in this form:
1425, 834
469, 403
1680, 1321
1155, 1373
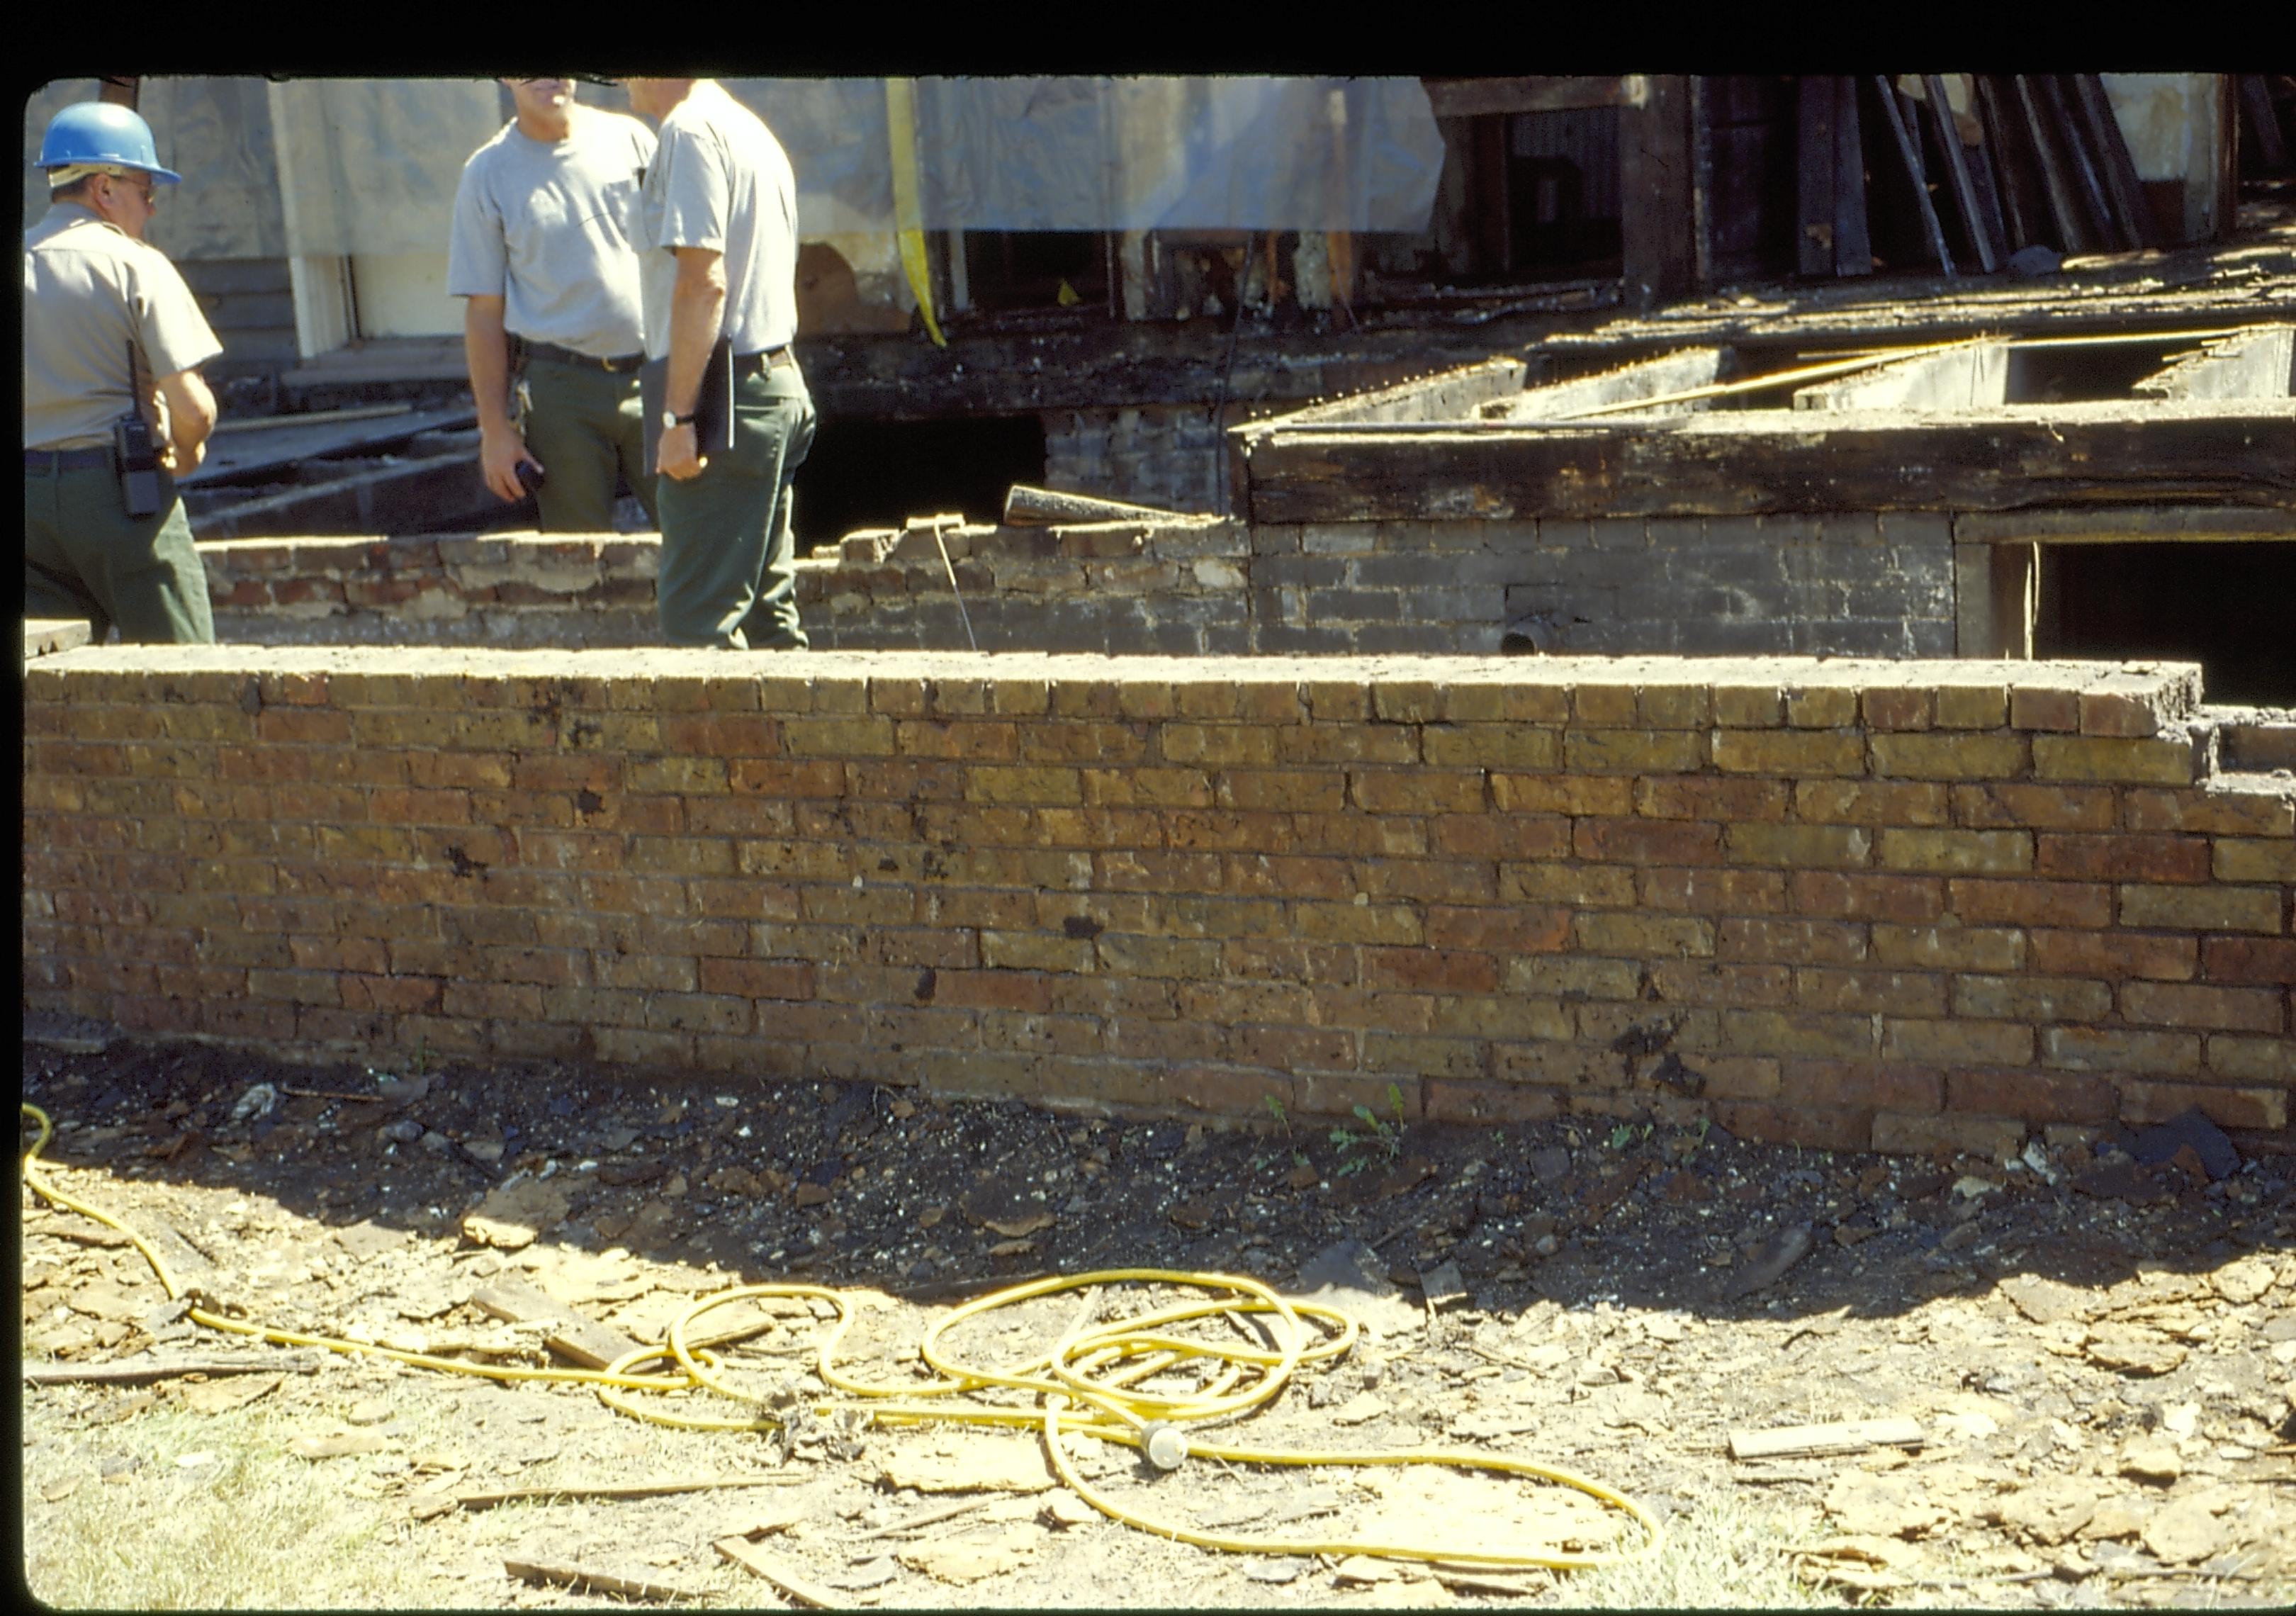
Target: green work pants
586, 428
84, 557
728, 559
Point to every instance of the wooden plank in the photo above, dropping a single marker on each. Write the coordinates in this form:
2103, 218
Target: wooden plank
1654, 185
2262, 123
1895, 113
2024, 199
1728, 463
1853, 244
2256, 365
2122, 189
143, 1372
2083, 161
2076, 232
1030, 507
1839, 1436
1480, 97
2143, 524
593, 1580
475, 1501
1816, 163
1956, 165
759, 1564
584, 1340
259, 445
1688, 370
1965, 376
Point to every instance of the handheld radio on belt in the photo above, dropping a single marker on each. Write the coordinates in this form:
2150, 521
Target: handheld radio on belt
136, 459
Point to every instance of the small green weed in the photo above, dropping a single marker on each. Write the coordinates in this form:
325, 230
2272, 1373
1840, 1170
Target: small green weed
1381, 1140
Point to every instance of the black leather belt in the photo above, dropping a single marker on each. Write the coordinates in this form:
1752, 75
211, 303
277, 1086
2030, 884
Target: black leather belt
52, 461
557, 354
758, 362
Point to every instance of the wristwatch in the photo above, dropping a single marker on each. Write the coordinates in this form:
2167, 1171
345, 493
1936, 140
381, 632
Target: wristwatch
670, 418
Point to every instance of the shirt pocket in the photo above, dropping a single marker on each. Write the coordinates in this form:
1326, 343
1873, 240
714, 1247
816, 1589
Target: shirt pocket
528, 224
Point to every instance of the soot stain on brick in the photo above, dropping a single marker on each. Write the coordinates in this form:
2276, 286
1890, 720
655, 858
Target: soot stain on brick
1081, 926
1645, 1038
587, 801
928, 980
581, 731
465, 867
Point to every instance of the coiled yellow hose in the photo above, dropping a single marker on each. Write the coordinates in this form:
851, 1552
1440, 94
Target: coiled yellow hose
1086, 1384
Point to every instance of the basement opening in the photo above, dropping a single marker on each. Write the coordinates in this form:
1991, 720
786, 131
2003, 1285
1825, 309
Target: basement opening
879, 473
2222, 605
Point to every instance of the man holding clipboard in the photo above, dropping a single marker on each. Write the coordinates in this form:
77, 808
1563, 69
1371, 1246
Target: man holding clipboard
728, 418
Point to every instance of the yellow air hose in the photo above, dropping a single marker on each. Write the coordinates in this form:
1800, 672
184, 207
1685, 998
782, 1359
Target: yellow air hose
1086, 1384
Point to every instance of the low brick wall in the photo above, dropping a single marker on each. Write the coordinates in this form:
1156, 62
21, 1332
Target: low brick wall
1837, 585
1845, 904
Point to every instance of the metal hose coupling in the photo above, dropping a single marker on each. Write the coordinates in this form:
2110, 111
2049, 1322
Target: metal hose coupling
1165, 1444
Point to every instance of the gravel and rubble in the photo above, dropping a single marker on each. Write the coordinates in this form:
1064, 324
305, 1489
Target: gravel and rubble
2097, 1336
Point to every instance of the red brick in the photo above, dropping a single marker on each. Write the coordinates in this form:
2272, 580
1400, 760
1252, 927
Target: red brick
1789, 1123
1849, 895
1430, 970
1713, 892
2113, 955
2265, 962
2122, 858
2257, 1108
2007, 806
2029, 903
758, 979
1709, 797
2193, 1005
1868, 1085
1515, 928
2036, 1096
1648, 841
1450, 1101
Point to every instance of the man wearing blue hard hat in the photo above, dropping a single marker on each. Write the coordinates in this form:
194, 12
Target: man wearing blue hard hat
113, 402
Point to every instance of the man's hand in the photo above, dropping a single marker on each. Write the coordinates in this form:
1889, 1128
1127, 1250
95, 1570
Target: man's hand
501, 449
676, 455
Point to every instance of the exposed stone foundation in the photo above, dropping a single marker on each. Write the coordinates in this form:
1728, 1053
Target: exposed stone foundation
1846, 904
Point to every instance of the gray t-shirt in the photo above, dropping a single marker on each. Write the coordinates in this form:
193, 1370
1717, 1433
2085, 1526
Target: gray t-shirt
90, 290
720, 180
552, 229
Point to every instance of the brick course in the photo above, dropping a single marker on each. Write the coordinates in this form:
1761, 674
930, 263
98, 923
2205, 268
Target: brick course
1512, 887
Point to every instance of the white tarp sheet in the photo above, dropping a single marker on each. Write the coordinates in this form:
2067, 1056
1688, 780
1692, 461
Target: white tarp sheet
369, 164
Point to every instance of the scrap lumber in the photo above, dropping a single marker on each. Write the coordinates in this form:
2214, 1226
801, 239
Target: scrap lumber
590, 1579
759, 1564
584, 1340
143, 1371
2257, 363
1838, 1436
1029, 507
475, 1501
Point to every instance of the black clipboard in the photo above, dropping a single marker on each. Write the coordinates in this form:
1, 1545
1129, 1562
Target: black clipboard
713, 407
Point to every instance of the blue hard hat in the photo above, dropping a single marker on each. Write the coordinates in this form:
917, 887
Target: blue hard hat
100, 132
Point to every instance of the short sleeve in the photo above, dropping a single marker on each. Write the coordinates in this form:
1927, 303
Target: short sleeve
477, 262
173, 334
697, 193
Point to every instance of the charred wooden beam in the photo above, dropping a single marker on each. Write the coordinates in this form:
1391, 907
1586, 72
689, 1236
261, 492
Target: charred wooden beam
1480, 97
1727, 464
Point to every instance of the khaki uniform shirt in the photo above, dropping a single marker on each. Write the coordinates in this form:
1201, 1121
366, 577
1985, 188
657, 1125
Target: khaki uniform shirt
90, 291
720, 180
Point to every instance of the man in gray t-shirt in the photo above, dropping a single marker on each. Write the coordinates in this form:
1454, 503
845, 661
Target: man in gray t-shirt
717, 253
544, 249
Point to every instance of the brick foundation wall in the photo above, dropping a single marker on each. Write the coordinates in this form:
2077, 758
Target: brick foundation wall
1837, 585
1170, 457
1846, 904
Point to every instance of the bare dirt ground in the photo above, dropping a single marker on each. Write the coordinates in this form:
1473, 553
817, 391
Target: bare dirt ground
2100, 1357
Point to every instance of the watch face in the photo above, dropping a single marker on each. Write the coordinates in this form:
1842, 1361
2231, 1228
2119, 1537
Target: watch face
668, 420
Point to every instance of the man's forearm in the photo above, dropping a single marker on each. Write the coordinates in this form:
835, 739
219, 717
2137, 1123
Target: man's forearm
191, 413
697, 306
486, 351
